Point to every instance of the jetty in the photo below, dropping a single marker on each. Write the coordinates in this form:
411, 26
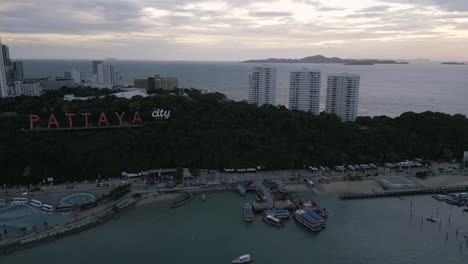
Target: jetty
407, 192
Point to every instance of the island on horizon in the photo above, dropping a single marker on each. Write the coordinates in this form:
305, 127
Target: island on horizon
453, 63
323, 59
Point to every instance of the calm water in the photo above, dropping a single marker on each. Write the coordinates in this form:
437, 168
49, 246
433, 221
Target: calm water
365, 232
385, 89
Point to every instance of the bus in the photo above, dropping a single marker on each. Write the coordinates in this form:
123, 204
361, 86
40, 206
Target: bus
48, 208
36, 203
19, 201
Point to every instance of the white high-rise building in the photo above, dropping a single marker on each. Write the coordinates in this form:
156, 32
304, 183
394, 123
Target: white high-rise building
3, 79
75, 75
343, 95
262, 83
304, 91
105, 74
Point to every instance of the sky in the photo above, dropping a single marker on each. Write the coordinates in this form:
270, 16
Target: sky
232, 30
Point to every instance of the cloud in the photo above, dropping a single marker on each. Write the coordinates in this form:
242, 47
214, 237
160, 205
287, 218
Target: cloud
226, 27
270, 14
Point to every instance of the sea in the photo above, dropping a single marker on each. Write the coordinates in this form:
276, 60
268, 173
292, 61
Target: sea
384, 231
385, 89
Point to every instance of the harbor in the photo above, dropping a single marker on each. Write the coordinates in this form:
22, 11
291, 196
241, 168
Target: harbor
379, 227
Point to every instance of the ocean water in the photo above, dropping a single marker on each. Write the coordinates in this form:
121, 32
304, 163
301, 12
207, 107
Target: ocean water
363, 232
385, 89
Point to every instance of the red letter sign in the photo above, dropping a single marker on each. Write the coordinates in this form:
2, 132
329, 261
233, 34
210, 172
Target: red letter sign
120, 117
53, 121
137, 119
86, 118
33, 119
70, 119
103, 119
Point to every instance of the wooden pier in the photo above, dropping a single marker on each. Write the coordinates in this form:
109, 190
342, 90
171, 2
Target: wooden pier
408, 192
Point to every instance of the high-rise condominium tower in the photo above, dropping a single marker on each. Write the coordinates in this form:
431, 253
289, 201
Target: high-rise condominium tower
304, 91
262, 86
343, 95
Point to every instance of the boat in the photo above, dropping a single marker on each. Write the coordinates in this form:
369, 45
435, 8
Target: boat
203, 197
273, 221
306, 220
277, 212
184, 199
241, 190
243, 259
317, 216
431, 219
248, 212
313, 205
465, 208
440, 197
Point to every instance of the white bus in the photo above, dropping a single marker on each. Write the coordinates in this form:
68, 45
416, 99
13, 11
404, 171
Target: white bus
19, 201
47, 207
36, 203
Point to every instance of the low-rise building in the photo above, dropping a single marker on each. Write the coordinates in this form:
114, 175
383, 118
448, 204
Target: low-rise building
25, 88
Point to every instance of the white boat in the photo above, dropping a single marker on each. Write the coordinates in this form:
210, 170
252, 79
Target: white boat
465, 208
203, 197
243, 259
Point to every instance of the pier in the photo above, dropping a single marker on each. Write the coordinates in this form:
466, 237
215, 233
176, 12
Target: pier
396, 193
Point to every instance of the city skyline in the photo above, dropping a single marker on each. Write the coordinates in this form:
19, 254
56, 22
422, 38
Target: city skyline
236, 30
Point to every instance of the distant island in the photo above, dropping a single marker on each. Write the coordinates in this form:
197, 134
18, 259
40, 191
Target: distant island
453, 63
323, 59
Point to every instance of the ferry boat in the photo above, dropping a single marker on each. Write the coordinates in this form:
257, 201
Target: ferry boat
248, 212
243, 259
313, 205
185, 199
273, 221
316, 216
306, 220
277, 212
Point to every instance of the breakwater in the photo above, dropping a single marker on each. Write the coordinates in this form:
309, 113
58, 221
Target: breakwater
396, 193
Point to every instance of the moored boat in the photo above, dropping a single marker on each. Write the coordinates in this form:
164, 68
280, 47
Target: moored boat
277, 212
248, 212
273, 221
184, 199
465, 208
243, 259
314, 206
306, 220
440, 197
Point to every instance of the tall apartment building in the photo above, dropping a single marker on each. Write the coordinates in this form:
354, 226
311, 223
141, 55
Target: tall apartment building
18, 73
262, 86
304, 91
106, 74
343, 95
73, 74
3, 77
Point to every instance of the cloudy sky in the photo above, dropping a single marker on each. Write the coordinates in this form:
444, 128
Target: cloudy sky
235, 29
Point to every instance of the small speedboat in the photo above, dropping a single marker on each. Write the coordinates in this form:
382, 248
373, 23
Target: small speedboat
465, 208
243, 259
431, 219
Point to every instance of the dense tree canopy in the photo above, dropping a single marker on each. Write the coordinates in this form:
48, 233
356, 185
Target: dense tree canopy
209, 131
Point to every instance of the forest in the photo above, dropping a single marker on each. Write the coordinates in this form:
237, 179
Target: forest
209, 131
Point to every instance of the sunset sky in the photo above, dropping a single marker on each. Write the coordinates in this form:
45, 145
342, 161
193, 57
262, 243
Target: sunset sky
235, 29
